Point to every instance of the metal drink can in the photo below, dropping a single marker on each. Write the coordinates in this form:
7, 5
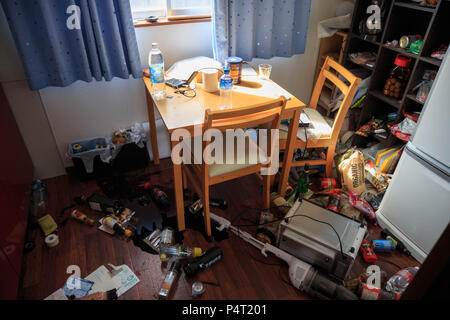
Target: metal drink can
406, 41
383, 245
328, 183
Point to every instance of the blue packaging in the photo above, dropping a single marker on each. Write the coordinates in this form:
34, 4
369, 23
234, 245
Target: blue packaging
383, 245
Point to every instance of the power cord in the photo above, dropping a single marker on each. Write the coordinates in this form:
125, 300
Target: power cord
296, 215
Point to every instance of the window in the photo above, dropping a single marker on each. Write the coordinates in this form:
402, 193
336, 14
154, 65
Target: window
162, 8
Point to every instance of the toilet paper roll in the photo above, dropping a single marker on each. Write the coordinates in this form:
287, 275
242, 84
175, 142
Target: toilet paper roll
210, 82
52, 240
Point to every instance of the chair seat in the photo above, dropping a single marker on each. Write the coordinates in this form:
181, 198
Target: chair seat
318, 127
253, 155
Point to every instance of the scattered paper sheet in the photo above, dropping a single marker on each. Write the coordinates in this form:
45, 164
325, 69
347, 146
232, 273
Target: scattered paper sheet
126, 277
103, 280
77, 287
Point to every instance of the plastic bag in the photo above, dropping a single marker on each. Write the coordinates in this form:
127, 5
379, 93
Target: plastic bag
352, 172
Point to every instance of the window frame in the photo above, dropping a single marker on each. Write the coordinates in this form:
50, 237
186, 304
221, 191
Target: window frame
168, 11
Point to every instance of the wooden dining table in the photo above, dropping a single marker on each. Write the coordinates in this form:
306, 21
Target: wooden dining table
188, 112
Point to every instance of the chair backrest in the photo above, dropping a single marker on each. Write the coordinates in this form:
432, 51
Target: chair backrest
349, 90
246, 117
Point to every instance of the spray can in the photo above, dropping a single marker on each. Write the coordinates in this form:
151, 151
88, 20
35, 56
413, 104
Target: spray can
80, 216
205, 261
383, 246
169, 280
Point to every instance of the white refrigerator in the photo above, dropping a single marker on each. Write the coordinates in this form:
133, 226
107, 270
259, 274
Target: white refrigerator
416, 206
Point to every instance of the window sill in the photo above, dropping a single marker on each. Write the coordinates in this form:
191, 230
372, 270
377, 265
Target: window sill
172, 20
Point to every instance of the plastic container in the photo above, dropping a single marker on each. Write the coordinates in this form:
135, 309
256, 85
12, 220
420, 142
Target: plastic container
234, 64
226, 87
400, 281
178, 251
398, 77
86, 157
156, 69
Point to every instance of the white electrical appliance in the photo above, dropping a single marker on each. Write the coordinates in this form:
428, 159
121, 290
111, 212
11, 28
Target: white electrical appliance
416, 206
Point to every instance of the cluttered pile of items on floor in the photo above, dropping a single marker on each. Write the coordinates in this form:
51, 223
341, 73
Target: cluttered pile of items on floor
318, 228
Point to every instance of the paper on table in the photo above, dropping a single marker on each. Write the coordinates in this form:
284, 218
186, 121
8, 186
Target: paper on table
267, 89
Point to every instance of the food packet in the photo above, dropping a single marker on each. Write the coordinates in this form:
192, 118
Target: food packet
378, 179
352, 173
363, 206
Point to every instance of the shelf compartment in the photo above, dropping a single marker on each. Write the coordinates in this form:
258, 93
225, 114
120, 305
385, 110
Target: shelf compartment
406, 20
402, 51
438, 34
432, 61
412, 97
389, 100
415, 6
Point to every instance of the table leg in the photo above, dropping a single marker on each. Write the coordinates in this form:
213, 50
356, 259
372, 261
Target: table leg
289, 152
178, 189
152, 125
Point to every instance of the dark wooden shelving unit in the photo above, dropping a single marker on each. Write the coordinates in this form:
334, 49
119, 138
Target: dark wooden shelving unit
399, 18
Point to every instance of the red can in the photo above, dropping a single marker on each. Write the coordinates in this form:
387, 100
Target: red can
333, 202
328, 183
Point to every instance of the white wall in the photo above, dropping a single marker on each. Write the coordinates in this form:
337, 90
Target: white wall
84, 110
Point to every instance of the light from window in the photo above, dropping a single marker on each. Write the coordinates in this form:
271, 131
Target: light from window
144, 8
190, 4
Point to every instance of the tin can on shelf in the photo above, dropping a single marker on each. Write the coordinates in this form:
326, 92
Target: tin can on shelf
235, 66
406, 41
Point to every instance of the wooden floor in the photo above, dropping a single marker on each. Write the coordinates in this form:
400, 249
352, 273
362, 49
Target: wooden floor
239, 275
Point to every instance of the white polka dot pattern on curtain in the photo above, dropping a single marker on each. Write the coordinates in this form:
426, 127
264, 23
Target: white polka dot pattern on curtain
55, 51
260, 28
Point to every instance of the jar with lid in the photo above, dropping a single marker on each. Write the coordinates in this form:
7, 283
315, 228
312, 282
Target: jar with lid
398, 77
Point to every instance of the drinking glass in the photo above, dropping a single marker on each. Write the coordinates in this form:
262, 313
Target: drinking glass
264, 71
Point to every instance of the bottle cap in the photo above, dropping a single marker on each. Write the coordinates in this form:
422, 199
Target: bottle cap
196, 252
154, 45
128, 233
163, 257
226, 71
402, 61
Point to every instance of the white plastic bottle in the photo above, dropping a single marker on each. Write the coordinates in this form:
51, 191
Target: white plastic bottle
226, 87
156, 65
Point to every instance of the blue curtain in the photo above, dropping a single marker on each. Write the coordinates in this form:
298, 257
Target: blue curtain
62, 41
259, 28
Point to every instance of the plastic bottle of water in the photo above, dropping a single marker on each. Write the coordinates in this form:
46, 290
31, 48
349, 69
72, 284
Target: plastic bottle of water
156, 65
399, 281
39, 199
226, 87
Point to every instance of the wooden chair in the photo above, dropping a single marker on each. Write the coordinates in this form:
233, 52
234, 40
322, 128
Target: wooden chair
330, 138
201, 177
